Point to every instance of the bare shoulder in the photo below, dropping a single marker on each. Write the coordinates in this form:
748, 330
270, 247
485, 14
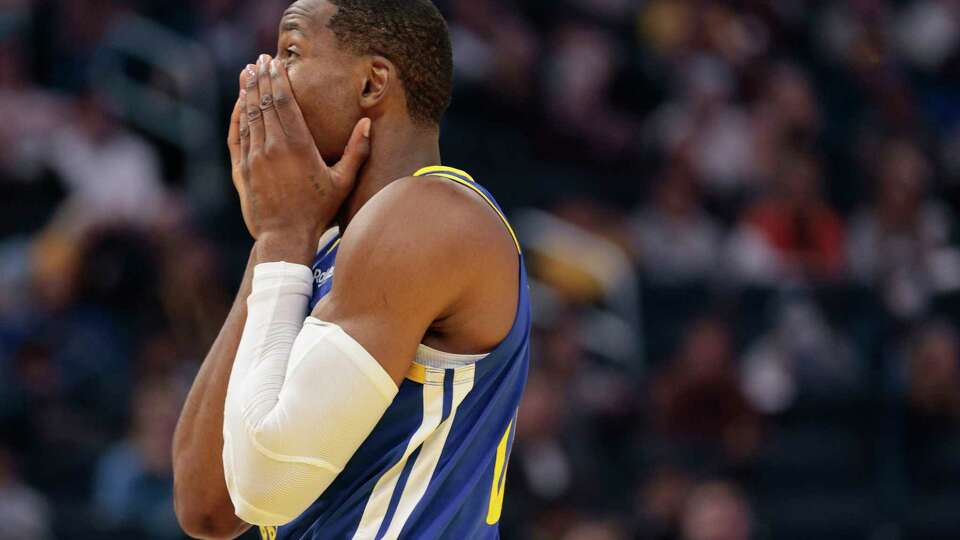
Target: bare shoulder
434, 258
433, 218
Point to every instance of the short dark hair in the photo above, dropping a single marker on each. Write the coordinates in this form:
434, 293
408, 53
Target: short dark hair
413, 35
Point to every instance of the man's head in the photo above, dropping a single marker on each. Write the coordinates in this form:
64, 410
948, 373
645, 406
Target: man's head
348, 59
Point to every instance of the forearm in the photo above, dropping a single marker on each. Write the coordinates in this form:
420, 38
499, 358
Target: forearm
200, 494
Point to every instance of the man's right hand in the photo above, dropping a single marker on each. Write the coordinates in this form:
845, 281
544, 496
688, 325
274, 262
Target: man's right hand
285, 187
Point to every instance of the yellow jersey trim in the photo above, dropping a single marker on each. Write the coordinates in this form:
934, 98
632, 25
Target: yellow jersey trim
442, 168
332, 247
495, 505
417, 373
443, 172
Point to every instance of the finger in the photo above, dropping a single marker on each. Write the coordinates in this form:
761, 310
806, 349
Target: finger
244, 127
233, 135
254, 115
358, 149
244, 124
271, 124
288, 110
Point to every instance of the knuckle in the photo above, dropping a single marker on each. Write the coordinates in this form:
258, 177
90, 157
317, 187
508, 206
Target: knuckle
266, 102
281, 99
253, 114
244, 132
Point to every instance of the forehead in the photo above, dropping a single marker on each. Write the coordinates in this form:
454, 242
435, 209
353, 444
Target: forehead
307, 16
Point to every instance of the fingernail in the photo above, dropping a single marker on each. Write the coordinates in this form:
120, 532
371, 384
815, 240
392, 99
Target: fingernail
243, 93
251, 74
274, 67
366, 129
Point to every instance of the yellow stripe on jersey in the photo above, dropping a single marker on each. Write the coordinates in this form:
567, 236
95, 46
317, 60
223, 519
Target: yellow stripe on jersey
333, 247
443, 172
443, 168
417, 373
495, 506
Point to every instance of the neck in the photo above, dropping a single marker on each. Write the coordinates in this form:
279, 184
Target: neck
398, 149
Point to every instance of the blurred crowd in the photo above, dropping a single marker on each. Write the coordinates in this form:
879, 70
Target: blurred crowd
740, 218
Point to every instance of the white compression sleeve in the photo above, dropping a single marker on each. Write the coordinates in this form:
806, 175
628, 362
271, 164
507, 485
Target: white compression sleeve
301, 399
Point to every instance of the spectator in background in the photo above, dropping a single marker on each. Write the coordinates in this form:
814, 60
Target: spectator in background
193, 302
30, 114
579, 78
111, 296
110, 173
786, 115
496, 50
901, 243
133, 485
931, 418
542, 459
24, 513
707, 124
717, 511
660, 503
800, 356
698, 401
933, 376
543, 475
791, 233
676, 240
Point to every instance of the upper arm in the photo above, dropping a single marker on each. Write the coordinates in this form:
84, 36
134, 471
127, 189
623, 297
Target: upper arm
406, 260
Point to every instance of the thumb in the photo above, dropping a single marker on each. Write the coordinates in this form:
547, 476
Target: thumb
356, 154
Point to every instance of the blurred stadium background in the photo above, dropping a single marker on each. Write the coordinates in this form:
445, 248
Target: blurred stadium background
741, 218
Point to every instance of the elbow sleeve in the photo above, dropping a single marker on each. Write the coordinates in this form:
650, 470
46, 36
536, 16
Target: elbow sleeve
285, 443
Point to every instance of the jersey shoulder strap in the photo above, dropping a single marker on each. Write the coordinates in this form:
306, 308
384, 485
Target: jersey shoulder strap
464, 179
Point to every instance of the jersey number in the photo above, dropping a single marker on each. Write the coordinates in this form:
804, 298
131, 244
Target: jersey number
268, 533
499, 479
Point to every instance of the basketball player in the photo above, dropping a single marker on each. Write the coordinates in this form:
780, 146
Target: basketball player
368, 388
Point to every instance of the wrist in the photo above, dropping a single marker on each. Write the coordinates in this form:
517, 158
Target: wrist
290, 246
284, 277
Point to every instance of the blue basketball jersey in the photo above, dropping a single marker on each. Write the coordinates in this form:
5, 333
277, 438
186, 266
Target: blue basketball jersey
435, 465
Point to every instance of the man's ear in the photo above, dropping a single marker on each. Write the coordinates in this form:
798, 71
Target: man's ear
381, 74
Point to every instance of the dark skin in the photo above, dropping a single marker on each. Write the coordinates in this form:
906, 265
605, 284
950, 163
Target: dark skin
422, 260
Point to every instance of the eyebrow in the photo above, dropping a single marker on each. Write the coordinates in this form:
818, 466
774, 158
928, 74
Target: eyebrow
291, 25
